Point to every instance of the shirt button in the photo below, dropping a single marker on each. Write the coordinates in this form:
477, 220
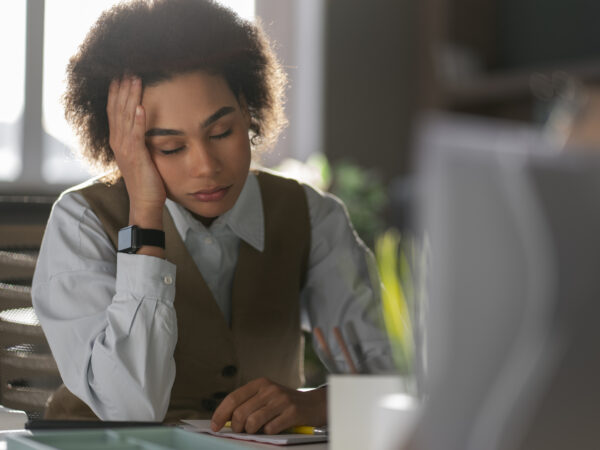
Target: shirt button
209, 240
229, 371
168, 279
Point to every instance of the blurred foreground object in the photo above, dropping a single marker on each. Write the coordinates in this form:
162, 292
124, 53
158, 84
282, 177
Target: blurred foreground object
12, 419
585, 129
574, 119
512, 332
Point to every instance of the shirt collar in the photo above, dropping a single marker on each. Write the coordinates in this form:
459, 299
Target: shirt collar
245, 219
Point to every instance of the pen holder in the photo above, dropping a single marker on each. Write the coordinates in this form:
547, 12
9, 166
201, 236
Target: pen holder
358, 416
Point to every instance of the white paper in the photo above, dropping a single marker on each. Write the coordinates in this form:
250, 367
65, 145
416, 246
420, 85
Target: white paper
203, 426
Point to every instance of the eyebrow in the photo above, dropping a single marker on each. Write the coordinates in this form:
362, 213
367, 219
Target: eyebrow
209, 121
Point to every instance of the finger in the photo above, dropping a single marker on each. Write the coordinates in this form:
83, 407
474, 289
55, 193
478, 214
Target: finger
286, 411
133, 100
117, 130
113, 90
122, 97
225, 410
269, 401
139, 126
241, 414
261, 416
287, 419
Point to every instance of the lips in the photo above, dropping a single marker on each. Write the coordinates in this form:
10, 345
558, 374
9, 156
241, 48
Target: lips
212, 194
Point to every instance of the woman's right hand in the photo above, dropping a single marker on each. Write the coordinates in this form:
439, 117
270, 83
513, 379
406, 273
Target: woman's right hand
127, 125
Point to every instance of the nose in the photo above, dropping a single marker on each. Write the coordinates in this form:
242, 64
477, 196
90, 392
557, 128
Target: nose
202, 161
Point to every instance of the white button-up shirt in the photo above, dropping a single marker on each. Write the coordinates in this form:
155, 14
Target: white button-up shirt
110, 320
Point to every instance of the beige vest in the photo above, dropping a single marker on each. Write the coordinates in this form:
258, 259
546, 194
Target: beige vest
264, 340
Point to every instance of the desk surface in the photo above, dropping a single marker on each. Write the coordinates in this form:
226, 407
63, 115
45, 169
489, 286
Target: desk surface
244, 444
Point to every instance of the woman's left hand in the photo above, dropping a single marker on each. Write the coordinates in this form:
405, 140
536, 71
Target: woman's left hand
263, 404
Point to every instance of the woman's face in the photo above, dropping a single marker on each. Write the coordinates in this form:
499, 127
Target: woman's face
197, 135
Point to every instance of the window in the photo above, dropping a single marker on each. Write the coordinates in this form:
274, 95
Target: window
12, 92
42, 145
36, 142
60, 43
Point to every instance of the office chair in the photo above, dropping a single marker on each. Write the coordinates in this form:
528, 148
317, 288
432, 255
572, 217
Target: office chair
28, 372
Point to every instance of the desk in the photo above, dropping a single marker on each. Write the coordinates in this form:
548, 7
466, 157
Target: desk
243, 444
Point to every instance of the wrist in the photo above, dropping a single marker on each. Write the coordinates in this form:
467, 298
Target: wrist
147, 218
148, 250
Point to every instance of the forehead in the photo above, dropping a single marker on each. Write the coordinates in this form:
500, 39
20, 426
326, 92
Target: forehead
194, 95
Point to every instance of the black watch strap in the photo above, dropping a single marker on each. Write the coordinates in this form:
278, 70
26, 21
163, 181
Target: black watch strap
132, 238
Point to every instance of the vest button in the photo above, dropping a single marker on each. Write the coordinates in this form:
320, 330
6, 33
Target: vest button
229, 371
209, 404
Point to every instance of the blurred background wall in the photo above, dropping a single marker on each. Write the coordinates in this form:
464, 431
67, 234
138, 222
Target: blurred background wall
359, 74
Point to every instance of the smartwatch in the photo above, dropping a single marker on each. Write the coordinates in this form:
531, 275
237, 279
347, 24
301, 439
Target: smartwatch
132, 238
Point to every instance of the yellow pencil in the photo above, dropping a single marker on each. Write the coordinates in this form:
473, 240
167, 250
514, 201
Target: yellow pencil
302, 430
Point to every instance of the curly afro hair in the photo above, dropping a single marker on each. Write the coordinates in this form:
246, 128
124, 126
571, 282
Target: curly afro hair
157, 39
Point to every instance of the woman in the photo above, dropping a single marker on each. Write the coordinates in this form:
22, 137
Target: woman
173, 287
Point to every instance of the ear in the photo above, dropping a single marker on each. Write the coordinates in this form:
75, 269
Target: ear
244, 108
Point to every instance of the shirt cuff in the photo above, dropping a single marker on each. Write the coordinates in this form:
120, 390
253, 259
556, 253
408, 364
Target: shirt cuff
146, 276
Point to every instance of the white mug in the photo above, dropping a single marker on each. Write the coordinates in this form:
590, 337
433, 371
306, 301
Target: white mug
356, 419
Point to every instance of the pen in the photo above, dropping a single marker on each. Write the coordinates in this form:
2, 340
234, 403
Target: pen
297, 430
340, 339
354, 341
325, 349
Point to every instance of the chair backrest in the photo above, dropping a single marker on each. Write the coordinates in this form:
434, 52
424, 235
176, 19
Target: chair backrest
28, 372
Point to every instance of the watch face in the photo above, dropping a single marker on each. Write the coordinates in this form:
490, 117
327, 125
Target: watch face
128, 239
132, 238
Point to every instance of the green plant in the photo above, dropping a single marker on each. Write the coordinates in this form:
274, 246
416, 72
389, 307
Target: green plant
362, 190
364, 195
399, 260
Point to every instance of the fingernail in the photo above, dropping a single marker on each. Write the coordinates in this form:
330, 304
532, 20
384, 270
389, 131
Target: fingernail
138, 110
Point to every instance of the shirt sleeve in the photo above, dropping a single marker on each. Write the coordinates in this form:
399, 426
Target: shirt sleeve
343, 289
108, 316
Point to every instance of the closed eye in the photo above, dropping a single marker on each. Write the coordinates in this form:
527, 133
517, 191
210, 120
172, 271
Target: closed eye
222, 135
170, 152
